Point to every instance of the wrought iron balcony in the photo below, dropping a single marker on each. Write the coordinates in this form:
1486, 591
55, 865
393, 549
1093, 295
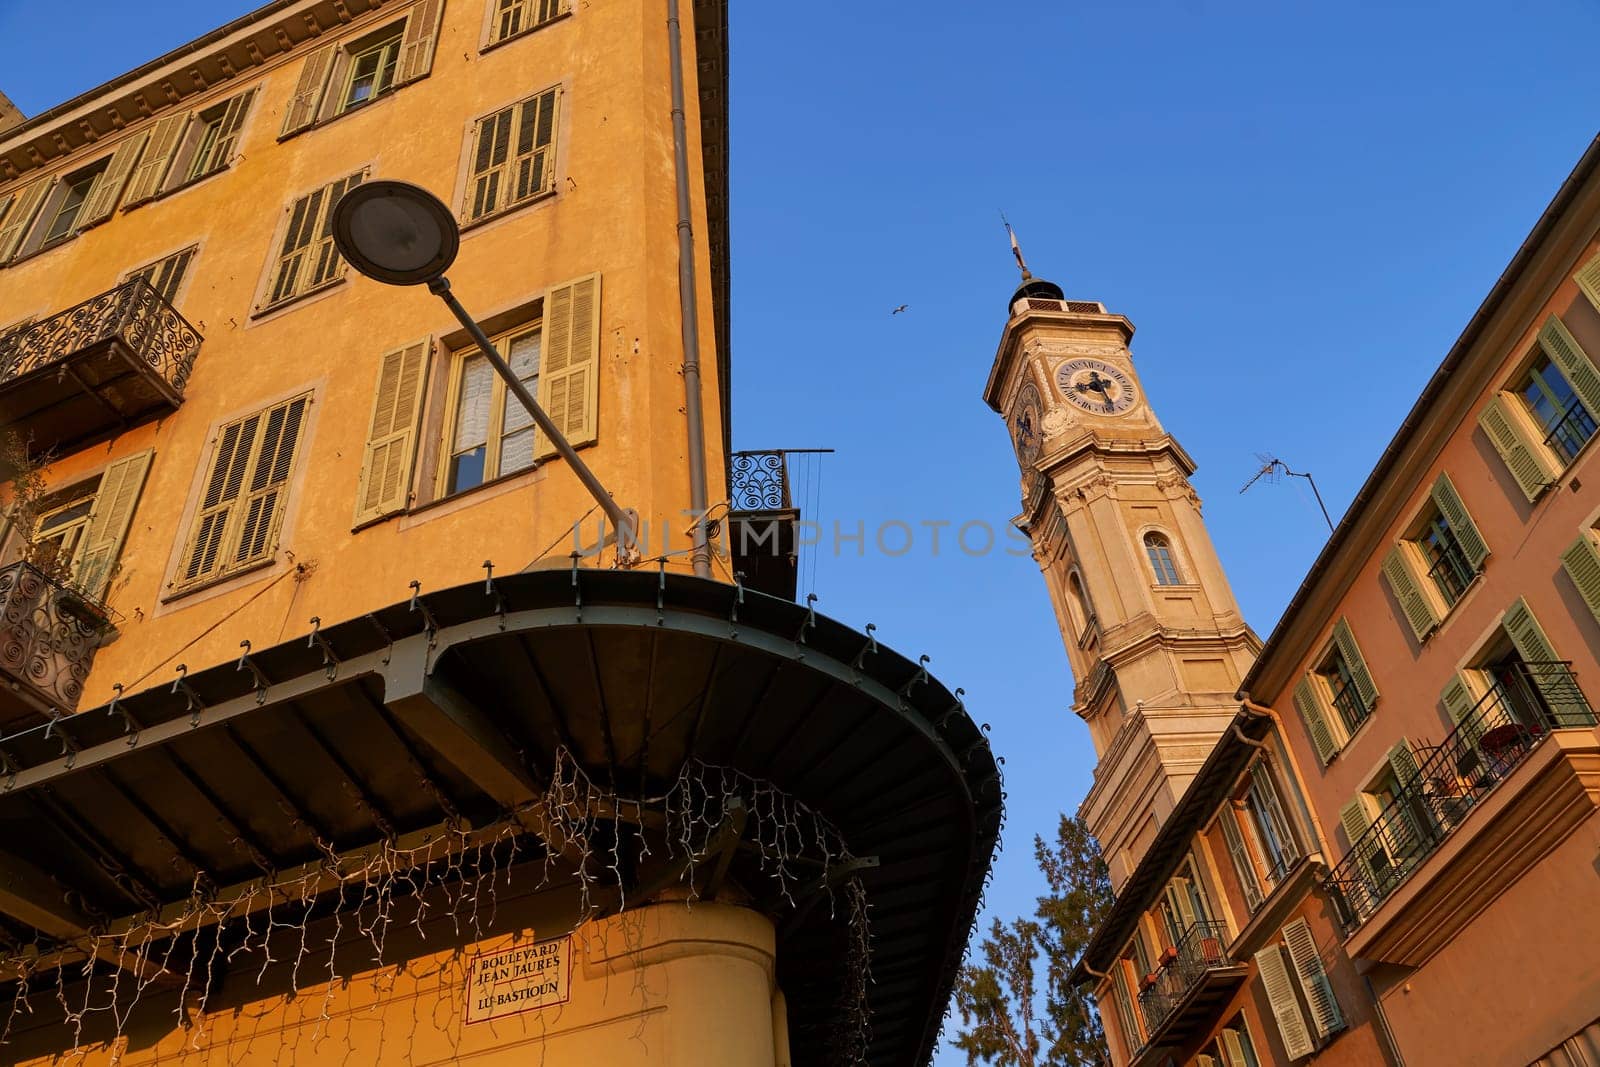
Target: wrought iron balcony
111, 362
762, 522
1527, 701
1197, 975
1568, 436
48, 636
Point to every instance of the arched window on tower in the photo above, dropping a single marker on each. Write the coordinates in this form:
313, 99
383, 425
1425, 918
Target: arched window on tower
1159, 550
1083, 615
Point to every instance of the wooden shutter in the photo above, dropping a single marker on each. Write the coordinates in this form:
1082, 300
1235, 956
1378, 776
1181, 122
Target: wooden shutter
1242, 865
1564, 350
1404, 763
392, 434
1310, 709
1582, 562
1588, 279
1533, 646
491, 147
1325, 1015
533, 168
1266, 790
1366, 688
1203, 1060
5, 202
228, 131
108, 522
1232, 1049
152, 168
1182, 905
203, 557
1285, 1006
102, 198
569, 386
262, 507
1527, 459
308, 91
1355, 820
1413, 601
1455, 513
23, 208
417, 44
1459, 700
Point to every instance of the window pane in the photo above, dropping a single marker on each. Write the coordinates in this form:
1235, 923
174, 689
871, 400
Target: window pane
67, 215
472, 407
523, 356
466, 470
516, 451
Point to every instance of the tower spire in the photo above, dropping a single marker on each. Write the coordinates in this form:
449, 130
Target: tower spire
1016, 249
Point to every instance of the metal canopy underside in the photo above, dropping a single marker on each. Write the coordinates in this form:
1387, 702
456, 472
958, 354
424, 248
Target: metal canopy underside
239, 769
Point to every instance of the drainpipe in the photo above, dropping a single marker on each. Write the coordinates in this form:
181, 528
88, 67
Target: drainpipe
1324, 842
700, 554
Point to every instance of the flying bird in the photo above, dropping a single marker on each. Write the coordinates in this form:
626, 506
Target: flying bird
899, 309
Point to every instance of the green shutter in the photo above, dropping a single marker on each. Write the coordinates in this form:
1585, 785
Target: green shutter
1582, 561
308, 90
1305, 702
1459, 700
102, 198
1242, 865
392, 433
1325, 1015
1356, 820
417, 43
1527, 459
1555, 685
23, 209
1455, 513
569, 385
109, 518
152, 169
1564, 350
1588, 279
1413, 601
1404, 763
1353, 659
1271, 962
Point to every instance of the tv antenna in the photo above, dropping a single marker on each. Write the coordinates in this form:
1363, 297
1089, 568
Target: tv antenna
1272, 467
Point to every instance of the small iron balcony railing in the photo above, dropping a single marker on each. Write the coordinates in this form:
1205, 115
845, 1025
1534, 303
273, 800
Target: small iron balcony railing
1451, 573
49, 633
1526, 702
132, 313
760, 481
1568, 436
1202, 948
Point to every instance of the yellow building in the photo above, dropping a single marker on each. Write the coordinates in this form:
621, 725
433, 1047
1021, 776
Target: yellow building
332, 729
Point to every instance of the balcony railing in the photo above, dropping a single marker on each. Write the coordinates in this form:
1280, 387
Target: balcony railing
1527, 701
1568, 436
1451, 573
1201, 953
760, 481
48, 637
110, 362
763, 520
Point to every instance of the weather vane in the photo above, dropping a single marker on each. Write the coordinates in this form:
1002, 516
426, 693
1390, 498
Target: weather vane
1016, 249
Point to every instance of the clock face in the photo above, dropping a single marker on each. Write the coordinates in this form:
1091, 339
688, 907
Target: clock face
1026, 433
1096, 387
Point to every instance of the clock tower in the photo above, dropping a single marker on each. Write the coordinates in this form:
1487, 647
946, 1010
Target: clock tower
1154, 638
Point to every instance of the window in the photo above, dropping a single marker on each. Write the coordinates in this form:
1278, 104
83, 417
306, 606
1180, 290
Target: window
166, 275
218, 130
63, 214
244, 494
1297, 987
1547, 413
1243, 866
1337, 695
1237, 1048
513, 156
344, 75
1271, 828
1159, 549
58, 534
187, 146
1081, 614
307, 259
78, 536
508, 18
489, 433
1126, 975
1518, 681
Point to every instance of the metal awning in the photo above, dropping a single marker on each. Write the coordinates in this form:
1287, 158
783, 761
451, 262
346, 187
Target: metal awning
460, 701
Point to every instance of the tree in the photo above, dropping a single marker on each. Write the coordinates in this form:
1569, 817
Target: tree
999, 999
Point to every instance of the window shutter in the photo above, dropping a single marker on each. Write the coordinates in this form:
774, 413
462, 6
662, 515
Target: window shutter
152, 168
23, 208
1203, 1060
1588, 279
533, 167
1285, 1006
1564, 349
1267, 792
1417, 607
262, 508
1582, 561
1527, 459
421, 34
392, 436
5, 202
1355, 820
108, 522
307, 98
569, 386
1325, 1015
1179, 901
1232, 1049
1404, 763
1459, 700
102, 198
1305, 701
203, 555
1455, 513
1559, 692
1365, 686
1241, 858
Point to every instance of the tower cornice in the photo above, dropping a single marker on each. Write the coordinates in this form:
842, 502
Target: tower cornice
1074, 313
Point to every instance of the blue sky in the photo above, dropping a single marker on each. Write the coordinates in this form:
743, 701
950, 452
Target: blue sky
1298, 204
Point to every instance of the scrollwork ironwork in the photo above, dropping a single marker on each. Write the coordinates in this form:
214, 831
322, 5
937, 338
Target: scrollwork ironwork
48, 635
760, 481
133, 312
